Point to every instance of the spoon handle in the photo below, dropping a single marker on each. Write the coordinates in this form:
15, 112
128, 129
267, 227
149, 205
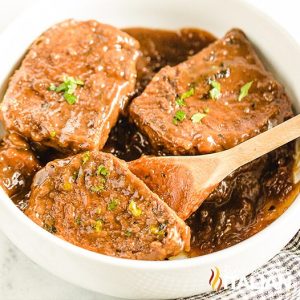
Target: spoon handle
265, 142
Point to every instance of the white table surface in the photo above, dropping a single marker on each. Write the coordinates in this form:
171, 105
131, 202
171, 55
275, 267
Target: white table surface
20, 278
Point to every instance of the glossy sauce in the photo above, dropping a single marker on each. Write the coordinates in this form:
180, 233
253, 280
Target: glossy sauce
158, 49
257, 195
245, 202
101, 57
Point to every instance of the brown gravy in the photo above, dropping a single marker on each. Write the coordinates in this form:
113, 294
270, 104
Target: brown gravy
257, 195
245, 202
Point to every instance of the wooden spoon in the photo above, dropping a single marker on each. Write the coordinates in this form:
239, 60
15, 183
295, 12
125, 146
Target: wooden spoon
184, 182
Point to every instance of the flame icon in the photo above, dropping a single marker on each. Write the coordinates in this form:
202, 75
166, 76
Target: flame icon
214, 278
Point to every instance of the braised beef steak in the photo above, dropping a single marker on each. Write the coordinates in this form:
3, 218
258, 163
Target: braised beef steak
92, 200
218, 98
71, 85
158, 48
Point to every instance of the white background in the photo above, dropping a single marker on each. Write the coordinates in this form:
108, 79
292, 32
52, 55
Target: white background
21, 279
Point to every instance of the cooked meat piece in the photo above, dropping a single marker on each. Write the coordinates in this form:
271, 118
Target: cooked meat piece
218, 98
93, 201
165, 47
18, 165
71, 86
158, 49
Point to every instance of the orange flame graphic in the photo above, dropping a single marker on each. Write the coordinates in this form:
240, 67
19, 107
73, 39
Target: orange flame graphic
214, 278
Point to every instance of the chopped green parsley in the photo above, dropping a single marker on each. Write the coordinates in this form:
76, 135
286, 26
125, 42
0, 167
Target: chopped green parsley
197, 117
180, 101
180, 115
78, 221
67, 186
71, 99
134, 209
244, 90
112, 205
215, 92
128, 233
75, 175
85, 157
101, 170
97, 188
68, 87
98, 226
154, 229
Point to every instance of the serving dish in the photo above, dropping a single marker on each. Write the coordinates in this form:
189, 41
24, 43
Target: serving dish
141, 279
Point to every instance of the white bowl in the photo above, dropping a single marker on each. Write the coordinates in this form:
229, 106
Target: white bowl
144, 279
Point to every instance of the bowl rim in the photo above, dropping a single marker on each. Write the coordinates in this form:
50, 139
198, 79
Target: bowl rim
166, 264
